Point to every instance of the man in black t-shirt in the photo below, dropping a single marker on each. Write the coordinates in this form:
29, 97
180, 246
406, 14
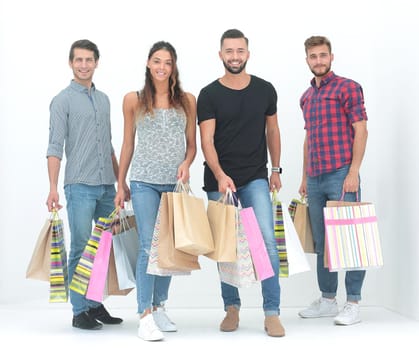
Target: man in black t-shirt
237, 116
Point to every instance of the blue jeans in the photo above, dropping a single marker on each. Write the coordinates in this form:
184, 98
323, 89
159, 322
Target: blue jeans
152, 290
256, 194
85, 204
320, 189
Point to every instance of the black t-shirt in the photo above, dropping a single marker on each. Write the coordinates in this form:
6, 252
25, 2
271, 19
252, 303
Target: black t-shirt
240, 131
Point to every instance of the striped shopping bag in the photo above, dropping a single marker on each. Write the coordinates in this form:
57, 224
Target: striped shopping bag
82, 273
58, 276
352, 240
280, 235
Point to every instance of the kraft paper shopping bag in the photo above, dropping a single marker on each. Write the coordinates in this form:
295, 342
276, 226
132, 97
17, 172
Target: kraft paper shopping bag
153, 267
39, 264
168, 256
191, 226
298, 210
222, 220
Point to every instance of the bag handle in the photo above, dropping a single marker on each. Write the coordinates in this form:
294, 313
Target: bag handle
54, 214
303, 199
119, 222
123, 220
343, 195
183, 187
275, 195
228, 198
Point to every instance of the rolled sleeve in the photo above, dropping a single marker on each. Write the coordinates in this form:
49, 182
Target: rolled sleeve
57, 127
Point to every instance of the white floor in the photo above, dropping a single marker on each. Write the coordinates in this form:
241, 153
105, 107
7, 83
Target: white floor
50, 327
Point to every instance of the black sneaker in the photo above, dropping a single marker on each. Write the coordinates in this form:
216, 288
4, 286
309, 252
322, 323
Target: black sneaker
84, 321
102, 315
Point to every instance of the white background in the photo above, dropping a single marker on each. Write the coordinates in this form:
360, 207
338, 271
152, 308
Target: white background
375, 43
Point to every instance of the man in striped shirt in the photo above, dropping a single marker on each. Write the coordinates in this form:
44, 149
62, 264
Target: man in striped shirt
334, 146
80, 124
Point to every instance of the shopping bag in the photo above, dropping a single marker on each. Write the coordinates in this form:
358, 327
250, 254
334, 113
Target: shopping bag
97, 281
280, 235
112, 286
39, 264
83, 270
221, 217
240, 273
168, 256
125, 246
58, 263
153, 267
297, 259
298, 210
191, 226
352, 239
260, 257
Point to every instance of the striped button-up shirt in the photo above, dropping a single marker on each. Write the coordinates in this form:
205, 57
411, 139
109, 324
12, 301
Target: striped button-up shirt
80, 122
329, 112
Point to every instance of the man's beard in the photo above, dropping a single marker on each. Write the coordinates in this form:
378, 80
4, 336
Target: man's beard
235, 70
320, 75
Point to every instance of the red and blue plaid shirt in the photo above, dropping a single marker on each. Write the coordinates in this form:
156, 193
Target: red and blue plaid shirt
329, 112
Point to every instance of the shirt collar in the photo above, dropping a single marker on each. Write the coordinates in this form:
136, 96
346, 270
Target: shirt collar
81, 88
325, 80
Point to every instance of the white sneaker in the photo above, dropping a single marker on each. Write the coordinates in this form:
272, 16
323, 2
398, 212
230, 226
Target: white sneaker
147, 329
349, 315
163, 321
321, 307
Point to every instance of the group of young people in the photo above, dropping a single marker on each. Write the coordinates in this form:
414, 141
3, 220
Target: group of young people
238, 125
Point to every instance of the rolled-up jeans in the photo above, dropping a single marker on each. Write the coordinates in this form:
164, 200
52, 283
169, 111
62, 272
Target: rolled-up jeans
320, 189
256, 194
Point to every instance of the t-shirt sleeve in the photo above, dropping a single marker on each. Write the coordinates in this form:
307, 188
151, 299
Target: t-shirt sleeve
205, 109
273, 100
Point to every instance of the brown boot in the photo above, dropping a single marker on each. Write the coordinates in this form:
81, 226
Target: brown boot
231, 320
273, 326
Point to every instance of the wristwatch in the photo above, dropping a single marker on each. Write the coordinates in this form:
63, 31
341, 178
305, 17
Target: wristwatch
276, 170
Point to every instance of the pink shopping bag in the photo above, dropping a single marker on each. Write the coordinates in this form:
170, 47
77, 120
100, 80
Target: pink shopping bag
97, 281
260, 257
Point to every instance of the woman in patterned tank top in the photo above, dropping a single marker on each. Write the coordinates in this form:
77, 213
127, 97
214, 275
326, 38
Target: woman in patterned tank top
164, 118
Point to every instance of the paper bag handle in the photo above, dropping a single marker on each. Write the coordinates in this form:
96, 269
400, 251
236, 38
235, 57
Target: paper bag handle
343, 195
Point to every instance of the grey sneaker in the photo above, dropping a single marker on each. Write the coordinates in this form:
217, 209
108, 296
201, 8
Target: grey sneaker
163, 321
349, 315
321, 307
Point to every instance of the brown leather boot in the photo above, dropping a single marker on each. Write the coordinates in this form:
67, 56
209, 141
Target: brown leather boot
231, 320
273, 326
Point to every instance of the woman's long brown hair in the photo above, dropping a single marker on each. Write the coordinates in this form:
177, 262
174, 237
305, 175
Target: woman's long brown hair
177, 97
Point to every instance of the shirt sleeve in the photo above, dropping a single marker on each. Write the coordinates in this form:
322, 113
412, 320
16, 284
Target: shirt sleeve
354, 102
57, 127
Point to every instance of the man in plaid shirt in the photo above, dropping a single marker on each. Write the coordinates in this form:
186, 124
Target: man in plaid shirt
334, 146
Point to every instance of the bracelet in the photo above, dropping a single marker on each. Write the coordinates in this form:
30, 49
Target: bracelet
276, 170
